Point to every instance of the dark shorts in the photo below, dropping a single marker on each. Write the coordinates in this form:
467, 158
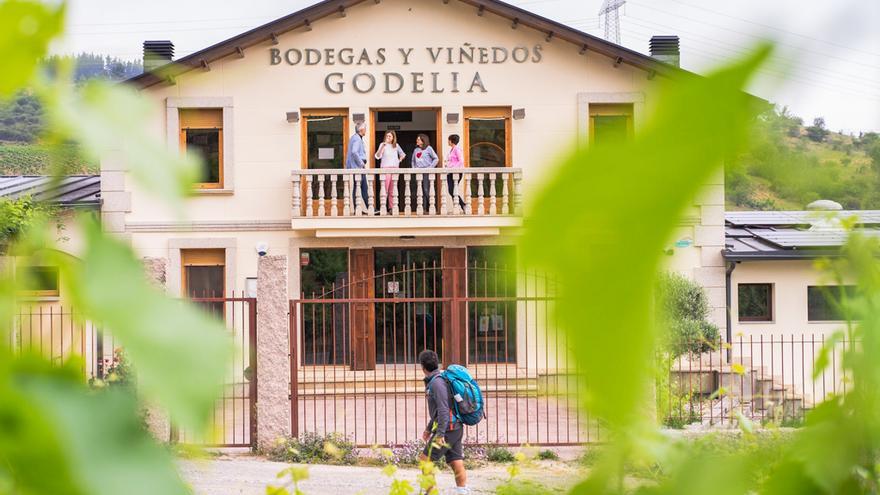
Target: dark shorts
453, 450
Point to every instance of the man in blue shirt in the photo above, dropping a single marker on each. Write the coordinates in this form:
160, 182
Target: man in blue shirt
357, 159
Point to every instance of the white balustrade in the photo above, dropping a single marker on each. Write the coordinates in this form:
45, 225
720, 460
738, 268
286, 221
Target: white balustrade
338, 193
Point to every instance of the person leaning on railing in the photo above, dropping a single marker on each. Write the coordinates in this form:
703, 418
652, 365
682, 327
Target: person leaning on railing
357, 159
425, 157
454, 159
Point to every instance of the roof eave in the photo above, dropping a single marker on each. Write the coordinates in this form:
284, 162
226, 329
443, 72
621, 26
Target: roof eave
264, 33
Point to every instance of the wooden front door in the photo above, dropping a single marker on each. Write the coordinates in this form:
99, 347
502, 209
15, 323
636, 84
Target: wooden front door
455, 326
363, 329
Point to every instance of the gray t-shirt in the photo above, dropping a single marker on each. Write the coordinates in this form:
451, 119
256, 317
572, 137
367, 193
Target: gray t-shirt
424, 158
439, 404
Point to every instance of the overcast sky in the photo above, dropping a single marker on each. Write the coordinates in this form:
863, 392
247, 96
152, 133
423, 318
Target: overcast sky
829, 50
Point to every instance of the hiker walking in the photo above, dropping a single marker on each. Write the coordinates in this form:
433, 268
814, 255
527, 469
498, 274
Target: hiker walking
443, 434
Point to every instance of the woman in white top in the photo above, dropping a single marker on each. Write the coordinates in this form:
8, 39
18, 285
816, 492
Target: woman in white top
390, 156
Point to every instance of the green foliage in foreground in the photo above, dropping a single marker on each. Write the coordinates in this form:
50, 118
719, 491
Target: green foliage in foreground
58, 435
699, 122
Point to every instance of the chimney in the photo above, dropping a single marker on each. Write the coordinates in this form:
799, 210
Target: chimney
157, 54
666, 49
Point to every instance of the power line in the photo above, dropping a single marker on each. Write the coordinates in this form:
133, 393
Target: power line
703, 22
831, 43
738, 50
780, 74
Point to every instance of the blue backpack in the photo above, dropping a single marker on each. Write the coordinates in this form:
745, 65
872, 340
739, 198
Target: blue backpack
467, 398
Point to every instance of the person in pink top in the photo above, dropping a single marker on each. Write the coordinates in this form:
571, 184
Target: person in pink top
390, 156
454, 159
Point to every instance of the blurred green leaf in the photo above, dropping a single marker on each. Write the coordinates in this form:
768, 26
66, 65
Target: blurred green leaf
26, 28
108, 120
610, 210
180, 353
49, 427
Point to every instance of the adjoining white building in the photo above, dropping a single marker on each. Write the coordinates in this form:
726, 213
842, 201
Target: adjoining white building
775, 286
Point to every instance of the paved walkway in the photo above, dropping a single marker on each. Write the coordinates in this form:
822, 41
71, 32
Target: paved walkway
247, 475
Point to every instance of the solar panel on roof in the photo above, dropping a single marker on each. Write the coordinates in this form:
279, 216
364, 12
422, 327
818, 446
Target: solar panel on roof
810, 238
870, 217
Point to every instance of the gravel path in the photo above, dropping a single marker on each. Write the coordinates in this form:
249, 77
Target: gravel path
248, 475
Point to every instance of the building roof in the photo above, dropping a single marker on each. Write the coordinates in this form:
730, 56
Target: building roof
766, 235
66, 191
267, 33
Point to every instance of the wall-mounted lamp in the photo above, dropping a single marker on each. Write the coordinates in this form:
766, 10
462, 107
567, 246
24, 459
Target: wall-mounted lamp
451, 118
358, 118
519, 113
293, 117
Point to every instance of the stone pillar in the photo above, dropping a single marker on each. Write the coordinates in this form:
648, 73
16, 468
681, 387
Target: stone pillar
273, 361
157, 420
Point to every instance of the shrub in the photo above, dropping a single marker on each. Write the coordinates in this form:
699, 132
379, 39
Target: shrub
684, 312
312, 448
547, 455
498, 453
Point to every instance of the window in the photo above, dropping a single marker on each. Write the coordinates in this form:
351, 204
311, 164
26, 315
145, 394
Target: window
824, 302
204, 276
487, 137
611, 123
325, 138
492, 324
755, 302
326, 331
487, 144
201, 133
38, 281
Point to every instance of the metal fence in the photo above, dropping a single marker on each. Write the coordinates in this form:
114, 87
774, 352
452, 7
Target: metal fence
354, 355
60, 333
233, 422
762, 377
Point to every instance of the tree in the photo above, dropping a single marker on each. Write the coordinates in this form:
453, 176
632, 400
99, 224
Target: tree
817, 132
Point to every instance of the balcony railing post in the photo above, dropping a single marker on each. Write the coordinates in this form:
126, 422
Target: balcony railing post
395, 207
383, 195
493, 197
444, 193
419, 195
481, 206
346, 194
407, 194
517, 192
321, 179
505, 193
432, 195
297, 196
309, 211
334, 207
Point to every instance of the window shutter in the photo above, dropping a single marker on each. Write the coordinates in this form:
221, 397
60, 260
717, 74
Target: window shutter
201, 118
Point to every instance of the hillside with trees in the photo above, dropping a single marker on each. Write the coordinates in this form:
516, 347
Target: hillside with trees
789, 165
22, 147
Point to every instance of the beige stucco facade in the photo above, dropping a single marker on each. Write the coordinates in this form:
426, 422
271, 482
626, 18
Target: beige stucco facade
789, 279
555, 87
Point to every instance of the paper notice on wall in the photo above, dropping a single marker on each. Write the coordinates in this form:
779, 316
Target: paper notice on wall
326, 153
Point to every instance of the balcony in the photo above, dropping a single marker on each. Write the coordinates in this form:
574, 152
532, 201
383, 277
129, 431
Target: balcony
403, 202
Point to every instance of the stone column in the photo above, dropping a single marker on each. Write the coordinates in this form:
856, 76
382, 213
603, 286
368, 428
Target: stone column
157, 420
273, 361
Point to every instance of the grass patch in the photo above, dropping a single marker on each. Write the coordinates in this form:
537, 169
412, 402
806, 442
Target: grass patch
311, 448
547, 455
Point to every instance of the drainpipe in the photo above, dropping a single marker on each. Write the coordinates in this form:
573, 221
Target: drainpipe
731, 266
